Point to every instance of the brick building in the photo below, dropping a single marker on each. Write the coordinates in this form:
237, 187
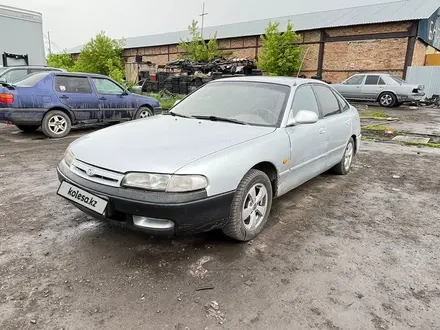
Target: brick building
386, 37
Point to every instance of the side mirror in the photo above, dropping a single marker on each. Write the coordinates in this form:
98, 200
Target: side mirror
304, 117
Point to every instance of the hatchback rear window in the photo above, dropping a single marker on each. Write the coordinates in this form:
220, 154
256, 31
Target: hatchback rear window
32, 79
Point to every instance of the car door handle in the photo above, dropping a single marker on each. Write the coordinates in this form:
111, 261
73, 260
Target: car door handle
64, 97
322, 130
103, 98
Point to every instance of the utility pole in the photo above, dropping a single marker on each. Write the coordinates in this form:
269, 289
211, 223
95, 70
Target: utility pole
48, 40
203, 14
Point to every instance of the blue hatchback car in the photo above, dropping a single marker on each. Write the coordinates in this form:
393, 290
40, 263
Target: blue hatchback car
57, 100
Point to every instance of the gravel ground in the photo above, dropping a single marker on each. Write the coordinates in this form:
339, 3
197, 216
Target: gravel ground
354, 252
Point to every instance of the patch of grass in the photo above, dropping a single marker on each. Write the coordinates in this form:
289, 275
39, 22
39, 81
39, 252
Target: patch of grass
369, 138
378, 128
417, 144
374, 115
166, 101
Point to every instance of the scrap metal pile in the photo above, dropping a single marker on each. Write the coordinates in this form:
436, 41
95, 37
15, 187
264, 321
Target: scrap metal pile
183, 76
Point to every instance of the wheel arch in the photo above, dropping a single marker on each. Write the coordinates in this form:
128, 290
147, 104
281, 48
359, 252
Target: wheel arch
67, 112
271, 171
386, 91
145, 105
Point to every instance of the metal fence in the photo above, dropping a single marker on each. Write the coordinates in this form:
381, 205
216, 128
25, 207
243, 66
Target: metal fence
425, 75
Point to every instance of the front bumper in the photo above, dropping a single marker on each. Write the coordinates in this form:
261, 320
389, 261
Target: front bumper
411, 97
190, 212
157, 110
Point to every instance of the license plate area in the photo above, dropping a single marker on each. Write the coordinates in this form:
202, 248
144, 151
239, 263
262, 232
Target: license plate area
82, 197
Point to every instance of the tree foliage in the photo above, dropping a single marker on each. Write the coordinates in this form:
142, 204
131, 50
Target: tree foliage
102, 55
196, 49
62, 61
280, 55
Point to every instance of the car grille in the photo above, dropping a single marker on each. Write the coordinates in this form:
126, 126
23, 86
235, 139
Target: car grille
96, 174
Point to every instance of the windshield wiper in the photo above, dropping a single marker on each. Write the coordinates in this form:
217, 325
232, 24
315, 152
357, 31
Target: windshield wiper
175, 114
227, 120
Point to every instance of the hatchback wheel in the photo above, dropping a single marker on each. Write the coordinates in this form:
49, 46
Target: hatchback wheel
250, 207
28, 128
344, 166
143, 112
56, 124
387, 100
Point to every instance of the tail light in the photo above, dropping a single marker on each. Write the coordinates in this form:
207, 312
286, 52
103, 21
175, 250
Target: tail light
7, 98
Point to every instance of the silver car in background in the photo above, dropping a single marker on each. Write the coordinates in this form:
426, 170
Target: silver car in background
216, 160
388, 90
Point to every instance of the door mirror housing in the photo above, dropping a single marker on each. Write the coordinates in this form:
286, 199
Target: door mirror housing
304, 117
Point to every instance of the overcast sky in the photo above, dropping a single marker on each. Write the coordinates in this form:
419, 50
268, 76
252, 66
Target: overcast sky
74, 22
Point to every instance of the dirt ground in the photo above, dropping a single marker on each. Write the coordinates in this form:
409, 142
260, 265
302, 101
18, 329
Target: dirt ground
354, 252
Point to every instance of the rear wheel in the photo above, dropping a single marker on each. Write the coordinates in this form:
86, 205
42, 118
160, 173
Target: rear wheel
344, 166
250, 207
28, 128
143, 112
56, 124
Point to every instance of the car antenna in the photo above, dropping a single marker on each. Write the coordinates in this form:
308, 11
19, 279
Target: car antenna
302, 62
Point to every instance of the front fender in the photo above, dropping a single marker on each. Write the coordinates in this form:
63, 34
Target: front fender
226, 168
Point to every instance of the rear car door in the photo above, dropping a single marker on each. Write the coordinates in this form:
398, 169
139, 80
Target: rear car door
336, 120
351, 88
114, 101
77, 94
308, 142
372, 87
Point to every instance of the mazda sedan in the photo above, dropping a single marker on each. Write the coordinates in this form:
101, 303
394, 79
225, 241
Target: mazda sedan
216, 161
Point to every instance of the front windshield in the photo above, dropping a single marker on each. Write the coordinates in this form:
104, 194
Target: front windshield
253, 103
398, 80
31, 80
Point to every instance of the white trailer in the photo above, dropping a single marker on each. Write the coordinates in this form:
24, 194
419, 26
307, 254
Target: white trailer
21, 37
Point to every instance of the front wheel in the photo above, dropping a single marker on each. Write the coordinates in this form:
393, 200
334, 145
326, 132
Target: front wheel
56, 124
143, 112
344, 166
28, 128
387, 100
250, 207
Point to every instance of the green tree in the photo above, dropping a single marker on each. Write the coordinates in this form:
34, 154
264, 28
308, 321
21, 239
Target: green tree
62, 61
280, 55
196, 49
102, 55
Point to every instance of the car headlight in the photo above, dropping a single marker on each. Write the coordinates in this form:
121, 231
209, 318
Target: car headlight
164, 182
69, 157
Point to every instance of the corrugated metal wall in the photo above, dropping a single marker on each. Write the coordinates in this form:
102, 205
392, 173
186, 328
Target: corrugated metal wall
21, 32
425, 75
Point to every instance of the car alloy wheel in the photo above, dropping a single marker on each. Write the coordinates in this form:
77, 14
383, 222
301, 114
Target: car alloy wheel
57, 124
144, 114
254, 206
387, 100
344, 166
348, 156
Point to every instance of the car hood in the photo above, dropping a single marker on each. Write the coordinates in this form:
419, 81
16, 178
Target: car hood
160, 144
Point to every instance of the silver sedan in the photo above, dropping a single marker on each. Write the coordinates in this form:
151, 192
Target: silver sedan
388, 90
217, 160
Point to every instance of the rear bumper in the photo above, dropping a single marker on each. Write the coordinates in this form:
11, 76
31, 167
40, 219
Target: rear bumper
27, 116
190, 212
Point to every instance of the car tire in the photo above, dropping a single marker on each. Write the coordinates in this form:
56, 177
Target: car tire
387, 100
248, 215
56, 124
28, 128
344, 166
143, 112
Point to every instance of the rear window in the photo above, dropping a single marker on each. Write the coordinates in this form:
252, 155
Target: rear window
32, 79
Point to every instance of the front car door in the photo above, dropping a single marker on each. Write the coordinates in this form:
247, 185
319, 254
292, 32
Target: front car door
115, 102
351, 88
372, 87
308, 142
337, 120
76, 93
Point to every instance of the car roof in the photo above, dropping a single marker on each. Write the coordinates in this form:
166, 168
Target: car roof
81, 74
31, 67
289, 81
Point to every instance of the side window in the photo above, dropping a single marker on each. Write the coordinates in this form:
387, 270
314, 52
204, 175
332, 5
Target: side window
304, 99
355, 80
328, 101
342, 103
371, 80
65, 84
381, 81
15, 75
105, 86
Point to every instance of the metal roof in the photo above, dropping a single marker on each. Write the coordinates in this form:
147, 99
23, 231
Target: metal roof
397, 11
